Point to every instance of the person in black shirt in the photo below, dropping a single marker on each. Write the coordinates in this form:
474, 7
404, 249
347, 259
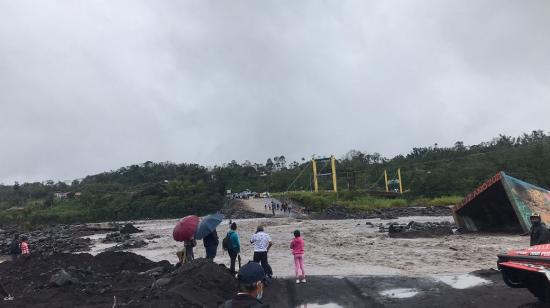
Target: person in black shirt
211, 244
15, 248
539, 231
251, 287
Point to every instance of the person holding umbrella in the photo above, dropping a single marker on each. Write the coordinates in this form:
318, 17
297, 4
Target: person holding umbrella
207, 232
189, 245
184, 231
211, 242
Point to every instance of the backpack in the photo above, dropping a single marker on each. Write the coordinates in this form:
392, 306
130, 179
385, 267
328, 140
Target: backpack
226, 242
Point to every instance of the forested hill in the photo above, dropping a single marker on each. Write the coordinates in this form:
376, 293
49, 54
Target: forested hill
426, 171
159, 190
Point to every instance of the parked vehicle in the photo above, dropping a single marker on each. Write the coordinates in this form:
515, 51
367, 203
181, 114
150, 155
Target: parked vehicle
528, 268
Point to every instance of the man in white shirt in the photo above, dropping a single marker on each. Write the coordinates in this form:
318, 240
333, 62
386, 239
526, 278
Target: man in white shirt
262, 243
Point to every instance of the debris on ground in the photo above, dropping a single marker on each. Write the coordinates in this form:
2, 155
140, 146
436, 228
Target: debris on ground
50, 240
417, 229
129, 229
115, 237
128, 244
340, 212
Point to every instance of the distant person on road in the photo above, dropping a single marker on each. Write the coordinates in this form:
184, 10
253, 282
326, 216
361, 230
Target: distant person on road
211, 244
539, 231
25, 252
15, 248
234, 246
262, 243
297, 246
251, 288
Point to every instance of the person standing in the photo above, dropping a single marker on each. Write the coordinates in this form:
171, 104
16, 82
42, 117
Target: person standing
15, 248
234, 246
539, 231
211, 244
262, 243
25, 252
297, 246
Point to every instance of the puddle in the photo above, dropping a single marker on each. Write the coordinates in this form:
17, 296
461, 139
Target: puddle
399, 293
462, 281
329, 305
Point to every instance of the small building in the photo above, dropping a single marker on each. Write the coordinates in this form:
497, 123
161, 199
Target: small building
61, 195
502, 204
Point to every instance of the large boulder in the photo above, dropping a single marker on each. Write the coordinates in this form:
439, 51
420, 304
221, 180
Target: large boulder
62, 278
129, 229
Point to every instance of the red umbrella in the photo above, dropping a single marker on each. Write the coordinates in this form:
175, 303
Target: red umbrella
185, 228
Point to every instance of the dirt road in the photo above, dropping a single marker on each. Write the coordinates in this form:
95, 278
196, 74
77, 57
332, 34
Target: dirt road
258, 206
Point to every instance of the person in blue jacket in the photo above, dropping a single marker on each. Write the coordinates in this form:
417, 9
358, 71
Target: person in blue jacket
234, 246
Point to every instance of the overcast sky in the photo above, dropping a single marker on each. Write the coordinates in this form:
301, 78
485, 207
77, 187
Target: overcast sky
90, 86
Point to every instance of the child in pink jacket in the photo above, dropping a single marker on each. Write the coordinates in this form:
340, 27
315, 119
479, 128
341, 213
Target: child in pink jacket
297, 246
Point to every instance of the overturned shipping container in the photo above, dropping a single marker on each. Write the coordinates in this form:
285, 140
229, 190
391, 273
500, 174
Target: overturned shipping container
502, 204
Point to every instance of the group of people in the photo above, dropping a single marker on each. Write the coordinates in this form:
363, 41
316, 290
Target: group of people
274, 206
254, 275
19, 248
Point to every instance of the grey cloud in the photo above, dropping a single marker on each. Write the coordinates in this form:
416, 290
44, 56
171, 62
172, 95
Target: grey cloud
88, 86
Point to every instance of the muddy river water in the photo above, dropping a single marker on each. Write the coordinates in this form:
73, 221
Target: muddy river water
346, 247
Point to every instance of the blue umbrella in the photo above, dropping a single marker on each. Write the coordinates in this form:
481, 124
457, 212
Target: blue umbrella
207, 225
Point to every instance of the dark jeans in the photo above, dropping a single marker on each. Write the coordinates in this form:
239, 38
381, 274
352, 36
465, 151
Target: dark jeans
233, 257
14, 257
211, 252
261, 257
189, 253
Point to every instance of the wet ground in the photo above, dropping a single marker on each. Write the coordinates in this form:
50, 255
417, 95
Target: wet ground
382, 291
350, 263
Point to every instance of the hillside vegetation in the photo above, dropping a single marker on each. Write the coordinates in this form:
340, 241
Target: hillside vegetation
162, 190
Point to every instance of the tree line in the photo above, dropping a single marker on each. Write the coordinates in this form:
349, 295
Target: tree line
166, 189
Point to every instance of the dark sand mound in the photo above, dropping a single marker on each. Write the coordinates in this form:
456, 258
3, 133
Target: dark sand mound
83, 280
